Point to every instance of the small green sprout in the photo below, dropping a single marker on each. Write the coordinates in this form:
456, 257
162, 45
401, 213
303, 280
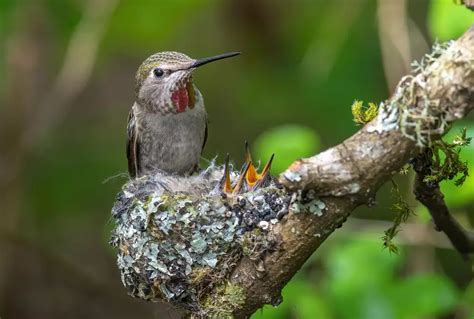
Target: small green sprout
403, 211
462, 139
363, 114
404, 170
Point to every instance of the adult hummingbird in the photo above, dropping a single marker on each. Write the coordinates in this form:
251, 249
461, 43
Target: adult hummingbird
167, 125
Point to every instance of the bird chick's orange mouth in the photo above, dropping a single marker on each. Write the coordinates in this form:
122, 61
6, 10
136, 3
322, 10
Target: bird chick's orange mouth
183, 97
249, 179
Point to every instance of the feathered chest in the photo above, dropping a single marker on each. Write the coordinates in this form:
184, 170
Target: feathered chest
172, 142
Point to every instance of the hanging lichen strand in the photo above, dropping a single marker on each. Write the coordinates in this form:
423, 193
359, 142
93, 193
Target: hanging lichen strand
179, 238
429, 119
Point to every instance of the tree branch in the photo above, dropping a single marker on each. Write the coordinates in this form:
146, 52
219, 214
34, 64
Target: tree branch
350, 173
77, 67
430, 195
217, 256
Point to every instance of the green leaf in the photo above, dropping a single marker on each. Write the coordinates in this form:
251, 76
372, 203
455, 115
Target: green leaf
358, 274
424, 296
467, 301
448, 20
288, 142
347, 268
300, 299
143, 25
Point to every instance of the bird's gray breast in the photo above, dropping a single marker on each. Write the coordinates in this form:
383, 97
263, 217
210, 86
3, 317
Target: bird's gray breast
172, 142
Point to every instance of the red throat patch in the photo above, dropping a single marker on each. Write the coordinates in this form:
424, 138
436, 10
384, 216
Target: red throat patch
184, 97
180, 99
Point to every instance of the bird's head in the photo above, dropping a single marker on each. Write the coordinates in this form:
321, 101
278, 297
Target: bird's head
164, 81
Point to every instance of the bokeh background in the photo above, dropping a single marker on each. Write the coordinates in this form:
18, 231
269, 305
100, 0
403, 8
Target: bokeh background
67, 77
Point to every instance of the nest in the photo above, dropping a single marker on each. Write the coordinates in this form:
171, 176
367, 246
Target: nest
178, 238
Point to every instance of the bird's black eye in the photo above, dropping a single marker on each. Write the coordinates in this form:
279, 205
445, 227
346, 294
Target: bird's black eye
158, 72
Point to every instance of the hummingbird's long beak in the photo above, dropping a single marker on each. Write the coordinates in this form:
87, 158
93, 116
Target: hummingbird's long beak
203, 61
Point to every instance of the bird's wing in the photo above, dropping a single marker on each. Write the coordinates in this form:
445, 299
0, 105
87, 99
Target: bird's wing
205, 135
132, 144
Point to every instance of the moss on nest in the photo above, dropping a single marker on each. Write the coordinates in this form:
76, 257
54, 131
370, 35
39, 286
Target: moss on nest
223, 301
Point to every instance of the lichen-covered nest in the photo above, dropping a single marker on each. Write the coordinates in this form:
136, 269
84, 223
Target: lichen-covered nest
177, 237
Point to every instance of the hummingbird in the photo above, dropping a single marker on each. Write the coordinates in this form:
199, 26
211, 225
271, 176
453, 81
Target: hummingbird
167, 124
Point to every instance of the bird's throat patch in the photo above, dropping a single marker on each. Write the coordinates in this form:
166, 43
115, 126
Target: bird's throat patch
180, 99
183, 97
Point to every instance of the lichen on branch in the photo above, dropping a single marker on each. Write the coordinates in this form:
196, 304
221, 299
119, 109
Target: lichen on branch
429, 119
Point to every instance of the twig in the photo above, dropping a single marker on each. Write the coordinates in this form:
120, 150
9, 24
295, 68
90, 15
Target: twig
430, 195
30, 121
413, 234
394, 39
76, 70
469, 4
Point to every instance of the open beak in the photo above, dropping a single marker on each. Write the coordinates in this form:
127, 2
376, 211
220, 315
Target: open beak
248, 179
203, 61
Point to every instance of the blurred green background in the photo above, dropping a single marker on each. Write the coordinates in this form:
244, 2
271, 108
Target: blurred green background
67, 84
